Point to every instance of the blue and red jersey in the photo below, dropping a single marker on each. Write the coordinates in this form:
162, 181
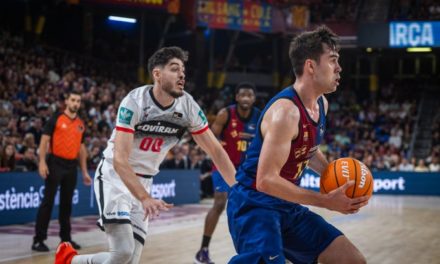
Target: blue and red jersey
303, 147
238, 133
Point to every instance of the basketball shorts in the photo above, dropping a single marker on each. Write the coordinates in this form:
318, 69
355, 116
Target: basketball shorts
219, 183
116, 204
273, 230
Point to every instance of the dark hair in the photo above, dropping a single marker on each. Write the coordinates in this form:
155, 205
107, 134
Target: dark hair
71, 92
245, 85
6, 162
162, 56
308, 45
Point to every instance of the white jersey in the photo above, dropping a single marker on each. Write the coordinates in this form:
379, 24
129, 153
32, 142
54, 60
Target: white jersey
156, 129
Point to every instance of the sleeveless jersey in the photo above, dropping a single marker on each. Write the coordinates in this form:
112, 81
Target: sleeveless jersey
303, 147
238, 133
156, 129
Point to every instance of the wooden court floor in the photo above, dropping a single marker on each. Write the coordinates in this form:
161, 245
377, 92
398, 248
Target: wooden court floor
391, 229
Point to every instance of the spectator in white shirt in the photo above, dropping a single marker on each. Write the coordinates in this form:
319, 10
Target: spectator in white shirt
435, 165
405, 165
421, 167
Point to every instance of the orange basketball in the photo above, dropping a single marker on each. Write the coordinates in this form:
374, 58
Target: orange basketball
342, 170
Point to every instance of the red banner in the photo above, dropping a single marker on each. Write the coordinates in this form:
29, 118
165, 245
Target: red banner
244, 15
171, 6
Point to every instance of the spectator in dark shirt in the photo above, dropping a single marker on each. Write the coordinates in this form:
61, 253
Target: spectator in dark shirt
29, 160
8, 158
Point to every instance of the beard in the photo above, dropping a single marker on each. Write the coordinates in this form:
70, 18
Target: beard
244, 107
73, 109
168, 88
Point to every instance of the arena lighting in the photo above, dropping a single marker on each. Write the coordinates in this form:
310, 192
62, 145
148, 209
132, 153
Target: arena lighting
122, 19
419, 49
369, 50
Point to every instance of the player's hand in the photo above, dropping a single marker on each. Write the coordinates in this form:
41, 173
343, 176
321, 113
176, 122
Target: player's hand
339, 201
152, 207
43, 170
87, 180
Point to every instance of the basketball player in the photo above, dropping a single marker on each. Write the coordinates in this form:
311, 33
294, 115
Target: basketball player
151, 119
235, 127
267, 220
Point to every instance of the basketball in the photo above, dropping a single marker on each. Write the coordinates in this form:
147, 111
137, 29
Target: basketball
342, 170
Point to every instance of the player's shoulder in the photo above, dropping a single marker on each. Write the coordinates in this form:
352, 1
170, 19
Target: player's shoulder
187, 99
284, 109
139, 92
187, 96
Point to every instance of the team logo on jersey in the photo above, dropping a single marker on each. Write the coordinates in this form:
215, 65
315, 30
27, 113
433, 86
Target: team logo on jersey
234, 133
251, 127
125, 115
301, 151
177, 115
234, 123
163, 128
306, 136
203, 117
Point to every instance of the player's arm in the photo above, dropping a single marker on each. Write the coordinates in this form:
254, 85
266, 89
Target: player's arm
220, 122
279, 128
209, 143
318, 162
122, 150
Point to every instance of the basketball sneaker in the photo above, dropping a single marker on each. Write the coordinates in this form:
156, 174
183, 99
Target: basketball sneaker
39, 246
65, 253
74, 244
202, 257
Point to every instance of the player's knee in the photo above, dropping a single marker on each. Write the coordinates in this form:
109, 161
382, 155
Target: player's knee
122, 256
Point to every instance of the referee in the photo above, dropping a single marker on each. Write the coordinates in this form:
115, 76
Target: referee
62, 140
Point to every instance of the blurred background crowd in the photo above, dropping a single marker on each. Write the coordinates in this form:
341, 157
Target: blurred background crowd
393, 125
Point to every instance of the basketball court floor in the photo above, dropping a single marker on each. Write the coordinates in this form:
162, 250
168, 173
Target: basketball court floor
391, 229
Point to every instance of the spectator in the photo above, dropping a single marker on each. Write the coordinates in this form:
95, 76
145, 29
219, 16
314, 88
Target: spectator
36, 128
405, 166
435, 165
421, 167
395, 139
29, 160
195, 158
8, 158
95, 158
28, 142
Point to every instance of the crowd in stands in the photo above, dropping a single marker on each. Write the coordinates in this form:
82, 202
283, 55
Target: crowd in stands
415, 10
33, 81
377, 132
334, 11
